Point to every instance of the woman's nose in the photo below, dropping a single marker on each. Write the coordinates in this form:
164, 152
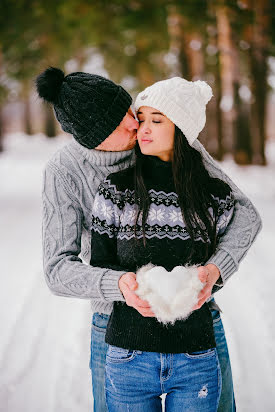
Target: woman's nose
146, 129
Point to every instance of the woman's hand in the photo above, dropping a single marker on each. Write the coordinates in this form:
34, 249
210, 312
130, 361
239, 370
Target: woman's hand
209, 275
127, 284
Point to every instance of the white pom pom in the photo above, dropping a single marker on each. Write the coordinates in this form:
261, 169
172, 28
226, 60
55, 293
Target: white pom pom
204, 90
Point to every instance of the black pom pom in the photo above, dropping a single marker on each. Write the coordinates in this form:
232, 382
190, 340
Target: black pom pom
48, 84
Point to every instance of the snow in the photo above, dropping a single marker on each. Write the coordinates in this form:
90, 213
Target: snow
45, 339
171, 295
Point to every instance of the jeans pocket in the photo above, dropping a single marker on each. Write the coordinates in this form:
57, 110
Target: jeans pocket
119, 355
202, 354
100, 321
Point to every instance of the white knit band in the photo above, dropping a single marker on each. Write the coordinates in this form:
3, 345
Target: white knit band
183, 102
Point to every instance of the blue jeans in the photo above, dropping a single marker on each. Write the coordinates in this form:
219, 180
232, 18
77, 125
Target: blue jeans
98, 361
135, 380
227, 399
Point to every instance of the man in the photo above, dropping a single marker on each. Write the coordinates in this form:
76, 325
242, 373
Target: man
97, 113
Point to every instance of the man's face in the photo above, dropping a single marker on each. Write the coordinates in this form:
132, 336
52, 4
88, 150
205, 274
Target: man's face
123, 137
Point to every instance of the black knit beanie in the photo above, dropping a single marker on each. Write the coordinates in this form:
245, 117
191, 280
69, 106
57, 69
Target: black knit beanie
88, 106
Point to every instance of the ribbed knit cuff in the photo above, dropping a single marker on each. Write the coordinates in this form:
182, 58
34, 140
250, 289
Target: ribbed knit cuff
109, 286
224, 263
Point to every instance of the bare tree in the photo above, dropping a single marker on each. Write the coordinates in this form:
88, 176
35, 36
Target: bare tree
25, 93
50, 122
1, 105
259, 40
226, 54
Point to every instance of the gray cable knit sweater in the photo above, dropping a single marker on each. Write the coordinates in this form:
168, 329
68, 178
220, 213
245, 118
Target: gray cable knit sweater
71, 179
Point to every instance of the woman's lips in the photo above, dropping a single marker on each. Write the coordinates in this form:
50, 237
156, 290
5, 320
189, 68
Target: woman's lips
146, 141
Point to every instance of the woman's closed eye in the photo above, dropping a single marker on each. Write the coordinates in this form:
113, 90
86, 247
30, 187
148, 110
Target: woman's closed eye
154, 121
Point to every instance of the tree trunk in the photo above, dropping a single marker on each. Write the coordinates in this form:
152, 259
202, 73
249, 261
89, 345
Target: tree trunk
224, 41
1, 105
194, 53
27, 116
50, 123
242, 135
220, 149
215, 144
25, 93
177, 61
1, 130
242, 143
259, 40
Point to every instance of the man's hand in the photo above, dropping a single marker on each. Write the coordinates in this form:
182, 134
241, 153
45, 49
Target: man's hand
127, 284
209, 275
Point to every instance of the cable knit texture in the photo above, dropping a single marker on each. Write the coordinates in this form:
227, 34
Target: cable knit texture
70, 182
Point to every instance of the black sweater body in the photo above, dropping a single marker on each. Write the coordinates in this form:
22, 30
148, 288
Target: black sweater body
168, 243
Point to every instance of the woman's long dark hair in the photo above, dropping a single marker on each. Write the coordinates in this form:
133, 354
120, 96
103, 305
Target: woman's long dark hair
191, 180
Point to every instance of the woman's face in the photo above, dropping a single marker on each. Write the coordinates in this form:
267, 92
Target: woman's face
155, 134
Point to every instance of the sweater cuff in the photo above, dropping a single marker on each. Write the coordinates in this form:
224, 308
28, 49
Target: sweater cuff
109, 286
224, 263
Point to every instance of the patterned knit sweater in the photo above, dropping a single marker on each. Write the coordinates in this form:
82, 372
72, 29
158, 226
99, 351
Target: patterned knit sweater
167, 244
70, 181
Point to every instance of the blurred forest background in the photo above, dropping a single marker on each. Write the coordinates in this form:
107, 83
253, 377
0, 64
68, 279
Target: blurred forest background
229, 44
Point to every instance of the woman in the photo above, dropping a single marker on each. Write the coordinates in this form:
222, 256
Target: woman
166, 210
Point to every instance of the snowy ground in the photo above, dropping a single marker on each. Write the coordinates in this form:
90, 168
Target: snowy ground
44, 345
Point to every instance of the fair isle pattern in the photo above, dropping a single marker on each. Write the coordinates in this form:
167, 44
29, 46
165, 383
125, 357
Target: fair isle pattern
114, 214
110, 191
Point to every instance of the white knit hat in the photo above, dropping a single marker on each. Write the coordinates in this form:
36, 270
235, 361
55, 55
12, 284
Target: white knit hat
183, 102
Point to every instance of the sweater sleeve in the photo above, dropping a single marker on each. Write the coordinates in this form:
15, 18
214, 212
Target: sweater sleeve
62, 223
244, 226
225, 211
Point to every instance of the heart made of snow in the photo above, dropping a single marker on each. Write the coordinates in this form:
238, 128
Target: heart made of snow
171, 295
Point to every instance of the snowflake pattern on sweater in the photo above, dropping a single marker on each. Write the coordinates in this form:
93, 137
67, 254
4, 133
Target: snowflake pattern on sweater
114, 213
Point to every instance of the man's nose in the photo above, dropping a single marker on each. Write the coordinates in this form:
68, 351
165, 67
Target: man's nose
133, 124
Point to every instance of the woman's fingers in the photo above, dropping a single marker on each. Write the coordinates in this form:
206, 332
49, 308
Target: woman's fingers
142, 306
203, 273
204, 294
129, 279
205, 291
127, 282
209, 278
139, 302
127, 285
